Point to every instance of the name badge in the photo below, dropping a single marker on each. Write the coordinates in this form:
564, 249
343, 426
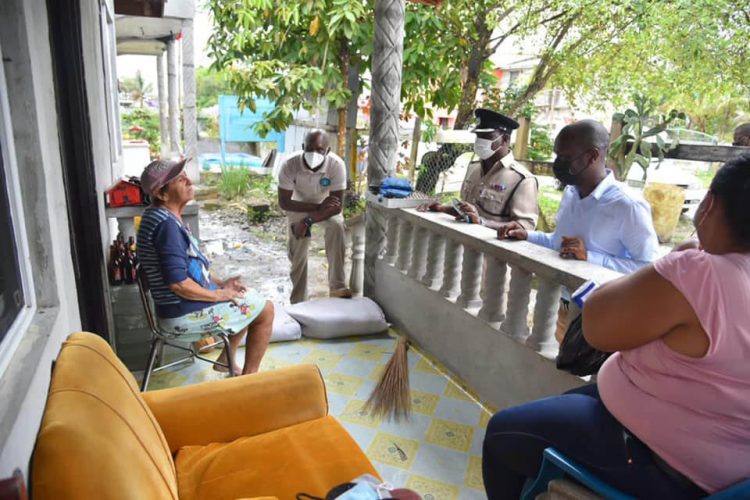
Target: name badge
325, 181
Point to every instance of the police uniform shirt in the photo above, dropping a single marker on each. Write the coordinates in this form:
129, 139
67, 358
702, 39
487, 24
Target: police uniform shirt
508, 192
312, 186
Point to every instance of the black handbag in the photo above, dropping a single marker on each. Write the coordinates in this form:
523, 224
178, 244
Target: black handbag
576, 355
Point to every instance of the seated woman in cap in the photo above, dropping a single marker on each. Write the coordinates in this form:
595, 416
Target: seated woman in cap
190, 301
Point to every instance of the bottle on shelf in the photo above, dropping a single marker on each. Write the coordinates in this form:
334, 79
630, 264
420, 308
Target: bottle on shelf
116, 267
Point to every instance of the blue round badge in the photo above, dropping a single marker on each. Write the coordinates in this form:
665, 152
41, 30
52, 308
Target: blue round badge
325, 181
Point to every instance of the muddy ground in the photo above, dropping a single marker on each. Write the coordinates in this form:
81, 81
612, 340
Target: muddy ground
258, 252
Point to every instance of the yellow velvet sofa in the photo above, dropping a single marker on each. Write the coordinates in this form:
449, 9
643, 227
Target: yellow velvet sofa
257, 436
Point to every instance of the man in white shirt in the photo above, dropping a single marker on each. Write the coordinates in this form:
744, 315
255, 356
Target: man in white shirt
599, 220
311, 191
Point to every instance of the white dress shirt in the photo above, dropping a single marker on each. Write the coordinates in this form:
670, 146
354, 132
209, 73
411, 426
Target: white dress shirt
614, 223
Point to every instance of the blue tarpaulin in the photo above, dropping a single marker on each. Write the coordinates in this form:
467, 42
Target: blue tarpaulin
236, 126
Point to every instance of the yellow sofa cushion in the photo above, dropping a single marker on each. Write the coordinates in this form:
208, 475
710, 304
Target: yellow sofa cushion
98, 438
221, 411
311, 457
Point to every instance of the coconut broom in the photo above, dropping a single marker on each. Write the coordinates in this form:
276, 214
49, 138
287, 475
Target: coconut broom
391, 397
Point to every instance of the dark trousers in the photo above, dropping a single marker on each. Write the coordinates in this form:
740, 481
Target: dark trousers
578, 425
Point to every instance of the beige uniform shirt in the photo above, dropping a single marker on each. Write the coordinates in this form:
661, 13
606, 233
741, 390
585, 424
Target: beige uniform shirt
507, 193
310, 186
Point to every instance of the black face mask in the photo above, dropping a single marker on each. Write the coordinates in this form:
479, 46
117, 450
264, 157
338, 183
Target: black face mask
562, 167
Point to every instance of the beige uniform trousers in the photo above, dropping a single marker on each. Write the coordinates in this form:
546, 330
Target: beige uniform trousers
335, 252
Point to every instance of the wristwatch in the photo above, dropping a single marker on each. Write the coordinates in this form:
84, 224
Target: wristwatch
308, 221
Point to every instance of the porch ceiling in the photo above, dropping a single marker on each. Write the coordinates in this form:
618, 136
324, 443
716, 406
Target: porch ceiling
145, 35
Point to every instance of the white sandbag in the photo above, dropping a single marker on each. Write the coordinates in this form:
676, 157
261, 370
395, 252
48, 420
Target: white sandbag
332, 318
284, 326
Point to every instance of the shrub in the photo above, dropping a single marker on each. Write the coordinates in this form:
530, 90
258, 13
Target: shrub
233, 183
142, 123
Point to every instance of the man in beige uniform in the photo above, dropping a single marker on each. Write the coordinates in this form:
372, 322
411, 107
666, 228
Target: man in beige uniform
496, 190
311, 190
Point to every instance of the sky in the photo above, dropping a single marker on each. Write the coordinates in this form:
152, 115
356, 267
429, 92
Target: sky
128, 65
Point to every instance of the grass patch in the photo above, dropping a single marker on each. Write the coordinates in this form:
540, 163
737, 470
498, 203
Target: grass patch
261, 186
706, 176
354, 207
549, 204
447, 198
233, 183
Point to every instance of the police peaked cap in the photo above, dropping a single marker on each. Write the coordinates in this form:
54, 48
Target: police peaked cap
490, 120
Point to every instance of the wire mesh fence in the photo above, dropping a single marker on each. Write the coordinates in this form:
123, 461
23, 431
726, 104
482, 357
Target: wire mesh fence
435, 167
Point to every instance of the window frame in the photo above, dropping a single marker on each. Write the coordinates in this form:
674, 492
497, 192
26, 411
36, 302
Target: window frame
23, 319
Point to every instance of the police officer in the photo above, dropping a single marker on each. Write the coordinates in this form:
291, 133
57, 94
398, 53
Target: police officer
311, 190
496, 189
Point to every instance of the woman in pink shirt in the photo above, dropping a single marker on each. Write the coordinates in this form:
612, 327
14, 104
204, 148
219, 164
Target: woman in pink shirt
670, 415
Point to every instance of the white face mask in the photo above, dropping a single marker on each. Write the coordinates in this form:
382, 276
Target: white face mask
314, 160
483, 148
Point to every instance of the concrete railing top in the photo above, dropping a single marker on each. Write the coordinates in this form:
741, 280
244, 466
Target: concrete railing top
536, 259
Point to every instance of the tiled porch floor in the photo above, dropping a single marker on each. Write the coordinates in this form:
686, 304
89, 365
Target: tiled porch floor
437, 452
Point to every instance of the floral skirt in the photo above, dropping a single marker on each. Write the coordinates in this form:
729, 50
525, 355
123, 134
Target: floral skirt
228, 317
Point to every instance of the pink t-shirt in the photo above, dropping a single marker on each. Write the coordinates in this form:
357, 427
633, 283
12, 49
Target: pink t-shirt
694, 413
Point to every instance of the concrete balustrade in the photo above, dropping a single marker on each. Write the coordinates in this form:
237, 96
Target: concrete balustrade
463, 296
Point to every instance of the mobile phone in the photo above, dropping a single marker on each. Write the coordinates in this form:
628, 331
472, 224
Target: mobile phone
460, 212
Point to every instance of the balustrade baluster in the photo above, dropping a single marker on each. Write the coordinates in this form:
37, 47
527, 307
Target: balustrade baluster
433, 275
516, 322
391, 248
471, 278
451, 268
542, 337
357, 276
404, 246
419, 253
494, 296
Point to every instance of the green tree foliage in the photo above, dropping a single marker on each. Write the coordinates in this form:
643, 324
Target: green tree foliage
137, 88
681, 52
687, 54
209, 85
296, 53
142, 123
540, 143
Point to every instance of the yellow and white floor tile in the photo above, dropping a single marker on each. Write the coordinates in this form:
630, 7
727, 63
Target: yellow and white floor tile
436, 452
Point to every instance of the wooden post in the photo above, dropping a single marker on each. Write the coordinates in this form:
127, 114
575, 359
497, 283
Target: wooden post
521, 147
415, 136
